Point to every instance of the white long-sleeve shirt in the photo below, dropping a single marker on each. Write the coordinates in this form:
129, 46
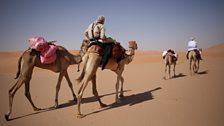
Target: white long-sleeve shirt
98, 31
192, 45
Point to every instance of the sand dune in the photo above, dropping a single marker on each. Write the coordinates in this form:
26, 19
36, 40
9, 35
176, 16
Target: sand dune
149, 99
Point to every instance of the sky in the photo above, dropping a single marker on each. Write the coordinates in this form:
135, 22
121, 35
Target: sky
153, 24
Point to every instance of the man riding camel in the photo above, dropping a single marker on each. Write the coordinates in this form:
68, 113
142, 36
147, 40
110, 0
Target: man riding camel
192, 45
95, 33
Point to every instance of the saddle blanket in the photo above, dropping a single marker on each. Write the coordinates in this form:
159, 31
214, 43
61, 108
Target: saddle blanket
47, 51
107, 50
165, 52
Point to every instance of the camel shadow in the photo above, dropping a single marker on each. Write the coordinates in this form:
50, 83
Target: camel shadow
175, 76
129, 100
178, 75
64, 105
85, 100
203, 72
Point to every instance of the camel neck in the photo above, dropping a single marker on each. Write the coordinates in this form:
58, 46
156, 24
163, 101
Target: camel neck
75, 59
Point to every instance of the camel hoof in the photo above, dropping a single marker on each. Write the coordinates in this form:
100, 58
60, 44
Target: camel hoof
56, 106
7, 117
103, 105
121, 96
74, 100
37, 109
118, 101
80, 116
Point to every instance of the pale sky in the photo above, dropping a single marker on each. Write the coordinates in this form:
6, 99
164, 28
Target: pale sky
154, 24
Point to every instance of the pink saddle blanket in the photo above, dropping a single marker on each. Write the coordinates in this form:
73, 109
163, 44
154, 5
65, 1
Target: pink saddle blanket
47, 52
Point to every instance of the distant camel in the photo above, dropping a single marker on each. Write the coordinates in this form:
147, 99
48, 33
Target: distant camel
92, 61
30, 60
193, 58
170, 60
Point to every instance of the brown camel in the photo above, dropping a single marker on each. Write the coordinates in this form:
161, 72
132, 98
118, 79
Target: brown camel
170, 60
31, 60
91, 61
193, 58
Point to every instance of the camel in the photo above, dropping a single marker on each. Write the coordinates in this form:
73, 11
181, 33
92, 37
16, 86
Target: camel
31, 60
195, 65
91, 61
170, 60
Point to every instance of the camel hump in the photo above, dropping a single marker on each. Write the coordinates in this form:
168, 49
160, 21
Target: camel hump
61, 48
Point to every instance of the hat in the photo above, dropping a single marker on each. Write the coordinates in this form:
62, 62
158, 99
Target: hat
192, 38
100, 19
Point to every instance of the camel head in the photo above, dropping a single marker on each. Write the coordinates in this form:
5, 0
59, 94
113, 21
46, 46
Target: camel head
132, 47
130, 52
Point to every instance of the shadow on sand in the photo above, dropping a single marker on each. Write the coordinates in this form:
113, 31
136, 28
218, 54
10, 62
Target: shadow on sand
178, 75
203, 72
65, 105
131, 100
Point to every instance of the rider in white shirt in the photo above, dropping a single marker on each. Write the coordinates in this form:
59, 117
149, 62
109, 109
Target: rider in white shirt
192, 45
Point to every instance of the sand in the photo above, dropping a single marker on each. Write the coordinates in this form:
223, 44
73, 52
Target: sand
149, 99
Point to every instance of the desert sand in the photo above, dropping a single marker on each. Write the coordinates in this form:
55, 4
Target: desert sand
149, 99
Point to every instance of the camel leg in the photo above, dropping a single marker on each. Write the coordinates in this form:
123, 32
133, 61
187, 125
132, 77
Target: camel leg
27, 93
70, 85
12, 92
169, 70
174, 67
165, 71
198, 65
190, 66
81, 91
122, 84
194, 66
121, 78
62, 73
90, 71
117, 88
95, 91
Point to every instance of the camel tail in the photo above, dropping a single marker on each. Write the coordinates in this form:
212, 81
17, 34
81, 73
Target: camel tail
78, 67
19, 66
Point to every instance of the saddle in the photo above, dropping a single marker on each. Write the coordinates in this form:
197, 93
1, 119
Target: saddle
171, 53
46, 51
198, 55
107, 51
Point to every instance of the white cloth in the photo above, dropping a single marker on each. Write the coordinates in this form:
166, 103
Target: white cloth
98, 31
164, 53
192, 45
